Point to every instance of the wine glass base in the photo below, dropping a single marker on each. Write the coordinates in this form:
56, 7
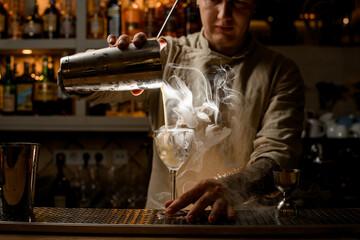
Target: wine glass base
286, 209
178, 215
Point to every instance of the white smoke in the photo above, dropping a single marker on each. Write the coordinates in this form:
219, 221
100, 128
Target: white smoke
184, 110
207, 106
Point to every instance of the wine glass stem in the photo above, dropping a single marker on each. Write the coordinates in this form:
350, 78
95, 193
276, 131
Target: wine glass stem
173, 184
285, 196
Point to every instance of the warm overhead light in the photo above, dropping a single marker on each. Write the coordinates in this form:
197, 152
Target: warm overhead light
26, 51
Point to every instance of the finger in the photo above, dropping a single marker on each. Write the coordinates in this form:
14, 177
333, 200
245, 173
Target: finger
230, 213
181, 202
111, 39
167, 203
185, 199
139, 39
123, 41
137, 92
199, 206
216, 210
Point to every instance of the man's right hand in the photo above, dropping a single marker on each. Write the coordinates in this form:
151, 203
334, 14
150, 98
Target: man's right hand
124, 40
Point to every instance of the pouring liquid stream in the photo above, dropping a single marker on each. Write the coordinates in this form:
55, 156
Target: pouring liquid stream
164, 106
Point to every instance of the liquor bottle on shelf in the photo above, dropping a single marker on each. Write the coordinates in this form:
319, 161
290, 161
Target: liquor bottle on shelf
113, 15
180, 18
15, 71
61, 185
24, 93
33, 72
171, 28
51, 70
1, 94
64, 104
150, 27
84, 172
9, 89
44, 101
15, 21
96, 24
192, 17
3, 21
133, 18
33, 24
67, 22
51, 21
160, 12
53, 80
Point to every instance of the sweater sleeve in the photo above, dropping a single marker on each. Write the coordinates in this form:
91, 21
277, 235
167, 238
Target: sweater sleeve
279, 135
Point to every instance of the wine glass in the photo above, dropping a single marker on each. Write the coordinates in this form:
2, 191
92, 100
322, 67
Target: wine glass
286, 181
173, 146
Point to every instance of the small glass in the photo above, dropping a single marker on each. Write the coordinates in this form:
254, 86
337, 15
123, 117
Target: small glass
286, 181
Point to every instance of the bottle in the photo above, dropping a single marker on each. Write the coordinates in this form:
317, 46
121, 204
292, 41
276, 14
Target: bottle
51, 71
33, 24
9, 89
171, 27
84, 173
24, 93
354, 25
64, 104
3, 21
15, 21
159, 13
1, 94
179, 13
150, 18
33, 72
113, 15
15, 72
51, 21
132, 18
52, 79
61, 185
96, 22
44, 102
67, 22
192, 17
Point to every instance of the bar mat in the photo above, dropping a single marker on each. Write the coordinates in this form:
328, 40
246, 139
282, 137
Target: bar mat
151, 216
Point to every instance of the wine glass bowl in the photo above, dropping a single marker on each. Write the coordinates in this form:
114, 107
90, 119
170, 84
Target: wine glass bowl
173, 146
286, 181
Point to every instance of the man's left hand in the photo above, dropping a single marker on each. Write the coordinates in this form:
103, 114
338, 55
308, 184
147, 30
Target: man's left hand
209, 192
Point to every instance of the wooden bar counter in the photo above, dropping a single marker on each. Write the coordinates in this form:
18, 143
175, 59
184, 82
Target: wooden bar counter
93, 223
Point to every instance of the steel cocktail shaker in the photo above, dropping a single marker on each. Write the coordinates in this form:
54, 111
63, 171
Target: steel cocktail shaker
18, 169
113, 69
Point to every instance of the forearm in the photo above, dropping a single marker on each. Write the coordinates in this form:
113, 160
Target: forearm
255, 181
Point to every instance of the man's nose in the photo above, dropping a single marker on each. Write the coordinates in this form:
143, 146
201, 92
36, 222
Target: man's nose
225, 11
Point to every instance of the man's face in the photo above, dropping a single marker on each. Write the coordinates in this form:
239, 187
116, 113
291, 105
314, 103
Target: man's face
226, 23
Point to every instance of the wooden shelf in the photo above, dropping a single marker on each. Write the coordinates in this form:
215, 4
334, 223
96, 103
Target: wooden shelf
74, 123
48, 44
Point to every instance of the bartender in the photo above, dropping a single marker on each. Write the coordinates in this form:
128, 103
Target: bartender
265, 123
